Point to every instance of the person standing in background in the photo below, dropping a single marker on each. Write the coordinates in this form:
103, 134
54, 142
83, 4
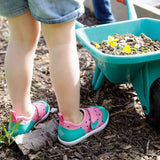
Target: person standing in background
102, 10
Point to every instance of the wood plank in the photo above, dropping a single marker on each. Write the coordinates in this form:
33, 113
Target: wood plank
44, 134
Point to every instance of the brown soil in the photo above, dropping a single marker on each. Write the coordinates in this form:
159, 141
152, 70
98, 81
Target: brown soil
137, 45
127, 136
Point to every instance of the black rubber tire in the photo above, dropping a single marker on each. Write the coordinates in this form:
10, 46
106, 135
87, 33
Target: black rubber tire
154, 100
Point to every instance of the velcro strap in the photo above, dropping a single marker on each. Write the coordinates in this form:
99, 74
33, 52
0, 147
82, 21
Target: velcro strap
94, 118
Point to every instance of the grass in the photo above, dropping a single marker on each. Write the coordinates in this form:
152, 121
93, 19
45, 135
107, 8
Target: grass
6, 136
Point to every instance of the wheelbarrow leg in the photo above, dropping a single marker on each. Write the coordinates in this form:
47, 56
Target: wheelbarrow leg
95, 76
141, 86
143, 81
98, 79
147, 85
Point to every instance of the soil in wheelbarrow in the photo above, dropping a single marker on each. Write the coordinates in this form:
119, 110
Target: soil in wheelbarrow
128, 44
127, 136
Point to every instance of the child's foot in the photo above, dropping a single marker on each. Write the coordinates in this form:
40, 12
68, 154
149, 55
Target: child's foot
95, 119
42, 110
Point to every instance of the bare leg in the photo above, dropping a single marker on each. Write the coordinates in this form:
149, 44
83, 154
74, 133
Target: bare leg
64, 68
24, 32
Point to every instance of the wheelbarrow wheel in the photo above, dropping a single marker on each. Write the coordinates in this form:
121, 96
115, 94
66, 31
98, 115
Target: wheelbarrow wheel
153, 118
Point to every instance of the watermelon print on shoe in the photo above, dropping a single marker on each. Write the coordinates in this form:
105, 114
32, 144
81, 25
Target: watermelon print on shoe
95, 119
42, 110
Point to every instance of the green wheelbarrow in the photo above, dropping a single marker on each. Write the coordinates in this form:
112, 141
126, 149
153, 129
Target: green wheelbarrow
143, 71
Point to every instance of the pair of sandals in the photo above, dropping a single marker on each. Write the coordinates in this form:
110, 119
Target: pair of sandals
95, 119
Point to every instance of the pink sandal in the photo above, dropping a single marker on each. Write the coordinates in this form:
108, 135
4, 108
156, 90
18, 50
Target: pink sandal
95, 119
42, 110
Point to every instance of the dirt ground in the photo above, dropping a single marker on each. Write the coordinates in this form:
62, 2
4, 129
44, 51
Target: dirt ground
127, 136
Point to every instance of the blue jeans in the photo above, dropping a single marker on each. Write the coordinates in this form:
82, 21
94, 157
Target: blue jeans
102, 10
45, 11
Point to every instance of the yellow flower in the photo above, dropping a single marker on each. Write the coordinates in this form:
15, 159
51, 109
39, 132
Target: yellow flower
97, 45
127, 49
111, 41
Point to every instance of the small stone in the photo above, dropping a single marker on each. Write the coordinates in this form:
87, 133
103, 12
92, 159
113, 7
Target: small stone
53, 110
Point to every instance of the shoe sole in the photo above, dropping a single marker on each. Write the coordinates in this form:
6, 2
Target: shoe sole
85, 136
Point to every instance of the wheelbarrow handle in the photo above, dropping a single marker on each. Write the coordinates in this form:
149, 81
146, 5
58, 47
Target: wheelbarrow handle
78, 24
130, 9
121, 1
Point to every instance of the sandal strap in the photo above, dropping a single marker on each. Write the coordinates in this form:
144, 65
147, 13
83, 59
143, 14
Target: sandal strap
93, 116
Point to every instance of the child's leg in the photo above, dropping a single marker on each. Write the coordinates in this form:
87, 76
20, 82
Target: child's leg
64, 68
24, 31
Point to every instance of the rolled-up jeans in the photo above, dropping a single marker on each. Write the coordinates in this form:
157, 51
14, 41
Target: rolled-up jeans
45, 11
102, 10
